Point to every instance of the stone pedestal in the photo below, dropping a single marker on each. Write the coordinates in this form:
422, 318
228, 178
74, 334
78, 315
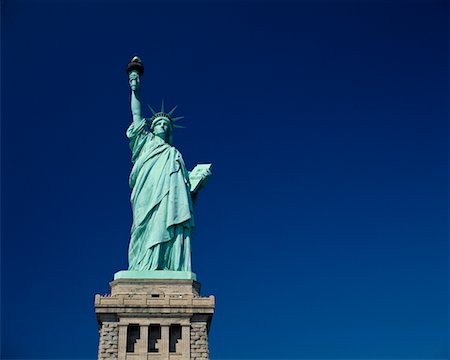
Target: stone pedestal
154, 319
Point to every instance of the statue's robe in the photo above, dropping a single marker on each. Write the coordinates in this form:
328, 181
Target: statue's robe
161, 202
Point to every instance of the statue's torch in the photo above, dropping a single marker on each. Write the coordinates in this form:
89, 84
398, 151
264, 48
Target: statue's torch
135, 69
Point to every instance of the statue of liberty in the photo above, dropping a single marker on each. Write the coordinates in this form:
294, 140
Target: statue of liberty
162, 190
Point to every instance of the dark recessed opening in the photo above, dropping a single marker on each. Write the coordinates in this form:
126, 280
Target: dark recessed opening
133, 333
174, 337
154, 334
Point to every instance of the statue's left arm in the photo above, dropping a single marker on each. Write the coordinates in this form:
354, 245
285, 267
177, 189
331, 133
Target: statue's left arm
200, 177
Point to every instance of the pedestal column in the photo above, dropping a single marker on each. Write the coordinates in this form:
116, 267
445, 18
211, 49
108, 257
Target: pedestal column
142, 344
122, 342
165, 342
186, 342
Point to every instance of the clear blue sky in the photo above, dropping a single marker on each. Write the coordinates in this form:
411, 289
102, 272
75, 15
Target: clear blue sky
323, 232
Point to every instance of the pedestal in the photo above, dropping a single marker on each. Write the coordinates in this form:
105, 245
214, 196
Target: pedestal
154, 319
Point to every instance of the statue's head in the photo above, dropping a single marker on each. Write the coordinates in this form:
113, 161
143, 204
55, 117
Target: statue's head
162, 127
162, 124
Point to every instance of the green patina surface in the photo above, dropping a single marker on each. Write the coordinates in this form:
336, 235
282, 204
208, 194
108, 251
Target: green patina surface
157, 274
161, 194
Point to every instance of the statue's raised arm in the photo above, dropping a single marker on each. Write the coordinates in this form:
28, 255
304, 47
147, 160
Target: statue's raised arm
135, 70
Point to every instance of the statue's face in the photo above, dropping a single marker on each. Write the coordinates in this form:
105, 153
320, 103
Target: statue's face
162, 129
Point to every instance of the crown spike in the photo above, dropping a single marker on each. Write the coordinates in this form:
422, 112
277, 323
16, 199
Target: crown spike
171, 111
153, 111
179, 126
178, 118
162, 105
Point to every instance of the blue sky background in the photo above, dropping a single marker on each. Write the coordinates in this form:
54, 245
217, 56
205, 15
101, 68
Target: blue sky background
323, 232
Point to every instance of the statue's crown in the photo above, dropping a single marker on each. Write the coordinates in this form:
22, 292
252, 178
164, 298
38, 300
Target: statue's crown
163, 115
